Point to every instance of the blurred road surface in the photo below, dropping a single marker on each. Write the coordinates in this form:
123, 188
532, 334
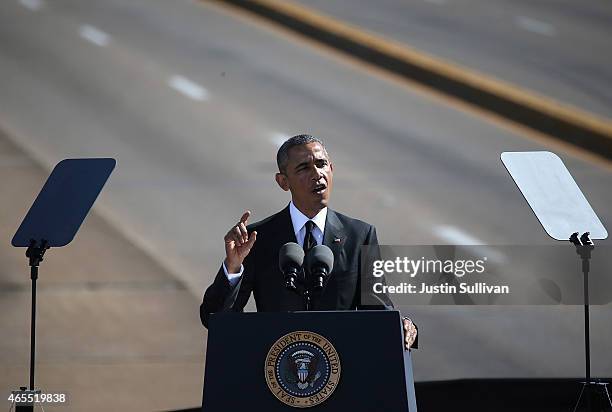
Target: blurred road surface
558, 49
193, 99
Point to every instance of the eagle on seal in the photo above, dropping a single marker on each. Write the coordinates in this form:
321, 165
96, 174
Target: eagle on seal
302, 368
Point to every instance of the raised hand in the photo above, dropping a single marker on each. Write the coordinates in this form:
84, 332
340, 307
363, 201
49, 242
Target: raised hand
238, 244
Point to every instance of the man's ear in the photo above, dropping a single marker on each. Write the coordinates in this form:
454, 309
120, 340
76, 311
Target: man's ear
281, 179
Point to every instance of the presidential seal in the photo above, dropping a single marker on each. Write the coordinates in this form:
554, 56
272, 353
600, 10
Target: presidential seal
302, 369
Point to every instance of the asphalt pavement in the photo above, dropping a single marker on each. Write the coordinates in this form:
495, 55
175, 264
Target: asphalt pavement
193, 99
558, 49
115, 331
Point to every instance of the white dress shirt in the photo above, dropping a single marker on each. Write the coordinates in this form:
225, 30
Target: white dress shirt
299, 224
298, 219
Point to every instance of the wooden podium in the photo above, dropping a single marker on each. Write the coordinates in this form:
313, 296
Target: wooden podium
320, 361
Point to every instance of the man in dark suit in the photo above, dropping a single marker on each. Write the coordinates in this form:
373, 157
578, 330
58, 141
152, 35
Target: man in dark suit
251, 262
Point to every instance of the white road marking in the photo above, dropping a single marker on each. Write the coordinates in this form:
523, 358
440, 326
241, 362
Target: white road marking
536, 26
94, 35
188, 88
277, 139
33, 5
456, 236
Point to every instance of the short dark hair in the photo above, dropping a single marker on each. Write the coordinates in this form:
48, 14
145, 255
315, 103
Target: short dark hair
282, 156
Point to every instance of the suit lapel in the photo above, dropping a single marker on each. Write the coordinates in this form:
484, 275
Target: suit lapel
285, 233
334, 236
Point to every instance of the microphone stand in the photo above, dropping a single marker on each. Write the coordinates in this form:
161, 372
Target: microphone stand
304, 279
307, 294
302, 287
307, 299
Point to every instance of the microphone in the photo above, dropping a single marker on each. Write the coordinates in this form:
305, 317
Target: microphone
320, 261
290, 261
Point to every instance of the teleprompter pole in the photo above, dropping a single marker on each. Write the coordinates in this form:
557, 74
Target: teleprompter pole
34, 276
584, 247
35, 254
52, 221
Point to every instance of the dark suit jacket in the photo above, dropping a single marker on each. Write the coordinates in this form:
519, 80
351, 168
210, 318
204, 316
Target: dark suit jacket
263, 277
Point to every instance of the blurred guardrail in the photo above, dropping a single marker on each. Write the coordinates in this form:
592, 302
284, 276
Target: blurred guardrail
539, 113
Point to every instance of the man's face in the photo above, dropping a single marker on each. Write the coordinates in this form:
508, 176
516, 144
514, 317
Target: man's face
309, 178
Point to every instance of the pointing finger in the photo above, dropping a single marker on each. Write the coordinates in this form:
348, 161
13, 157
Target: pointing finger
245, 217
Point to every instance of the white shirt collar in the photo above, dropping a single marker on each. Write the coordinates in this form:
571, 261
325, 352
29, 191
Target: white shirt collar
299, 219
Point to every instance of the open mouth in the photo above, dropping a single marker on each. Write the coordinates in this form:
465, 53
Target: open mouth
320, 188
